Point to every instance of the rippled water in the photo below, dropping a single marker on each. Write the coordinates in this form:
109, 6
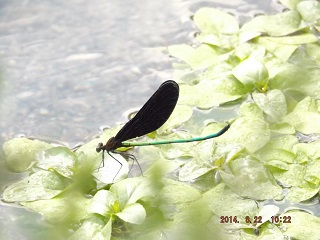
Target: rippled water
70, 67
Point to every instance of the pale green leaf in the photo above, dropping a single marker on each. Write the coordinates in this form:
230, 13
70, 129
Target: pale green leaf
161, 167
130, 190
269, 154
175, 192
102, 203
313, 172
297, 78
72, 207
105, 233
284, 47
301, 158
303, 225
251, 110
309, 10
282, 51
200, 57
313, 50
291, 4
224, 202
194, 169
245, 36
207, 94
251, 133
182, 52
250, 50
250, 71
282, 128
312, 149
294, 176
133, 213
172, 151
305, 117
211, 20
22, 152
303, 193
280, 24
90, 228
273, 104
203, 162
38, 186
293, 40
220, 70
277, 164
285, 142
206, 156
61, 159
250, 178
223, 41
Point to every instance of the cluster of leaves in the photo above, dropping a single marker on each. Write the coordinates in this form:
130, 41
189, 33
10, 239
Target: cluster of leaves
269, 68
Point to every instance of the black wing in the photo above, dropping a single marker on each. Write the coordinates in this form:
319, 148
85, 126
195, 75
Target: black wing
153, 114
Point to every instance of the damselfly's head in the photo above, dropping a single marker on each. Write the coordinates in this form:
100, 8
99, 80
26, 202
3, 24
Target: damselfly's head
100, 147
111, 145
